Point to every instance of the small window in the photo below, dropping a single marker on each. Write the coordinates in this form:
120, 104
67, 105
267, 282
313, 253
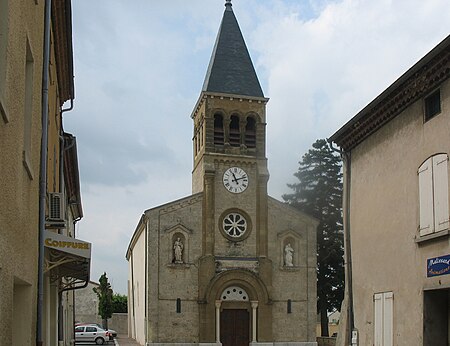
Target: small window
91, 329
79, 329
218, 129
235, 134
178, 306
432, 105
250, 133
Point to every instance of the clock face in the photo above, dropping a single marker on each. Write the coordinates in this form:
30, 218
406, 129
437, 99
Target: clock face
235, 180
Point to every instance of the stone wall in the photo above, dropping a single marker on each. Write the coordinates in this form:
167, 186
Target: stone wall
323, 341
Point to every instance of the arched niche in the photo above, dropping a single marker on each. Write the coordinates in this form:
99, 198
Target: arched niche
178, 241
291, 241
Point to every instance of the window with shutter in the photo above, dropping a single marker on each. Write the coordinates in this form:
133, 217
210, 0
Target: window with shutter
426, 198
378, 320
388, 319
433, 195
440, 191
384, 319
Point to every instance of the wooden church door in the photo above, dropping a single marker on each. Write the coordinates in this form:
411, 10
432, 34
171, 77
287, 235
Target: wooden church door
234, 327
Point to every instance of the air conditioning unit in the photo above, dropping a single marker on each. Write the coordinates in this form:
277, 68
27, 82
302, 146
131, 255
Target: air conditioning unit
56, 207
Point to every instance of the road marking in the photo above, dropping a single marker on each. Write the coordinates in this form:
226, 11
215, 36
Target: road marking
116, 342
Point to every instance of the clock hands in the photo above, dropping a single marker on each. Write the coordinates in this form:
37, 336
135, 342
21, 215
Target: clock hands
235, 180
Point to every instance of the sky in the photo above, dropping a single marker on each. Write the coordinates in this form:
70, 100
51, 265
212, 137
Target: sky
139, 67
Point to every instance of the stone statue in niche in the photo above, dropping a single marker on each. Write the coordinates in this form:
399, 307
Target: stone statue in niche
288, 255
178, 250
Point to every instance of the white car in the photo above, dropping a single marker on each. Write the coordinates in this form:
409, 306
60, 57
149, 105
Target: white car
113, 332
92, 333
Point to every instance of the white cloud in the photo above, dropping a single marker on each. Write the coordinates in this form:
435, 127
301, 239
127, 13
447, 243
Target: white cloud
322, 70
140, 66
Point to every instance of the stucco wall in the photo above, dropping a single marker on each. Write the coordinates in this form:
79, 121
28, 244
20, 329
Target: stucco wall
20, 22
385, 218
137, 293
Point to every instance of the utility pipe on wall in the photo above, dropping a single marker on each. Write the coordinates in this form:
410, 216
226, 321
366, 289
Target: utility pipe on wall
43, 171
347, 162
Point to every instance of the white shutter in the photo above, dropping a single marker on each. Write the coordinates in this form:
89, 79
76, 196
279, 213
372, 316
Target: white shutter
378, 322
384, 319
426, 198
388, 319
440, 190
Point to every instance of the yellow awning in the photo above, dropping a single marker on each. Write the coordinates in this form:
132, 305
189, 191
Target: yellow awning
68, 259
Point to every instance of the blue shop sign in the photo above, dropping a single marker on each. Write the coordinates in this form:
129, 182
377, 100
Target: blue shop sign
438, 266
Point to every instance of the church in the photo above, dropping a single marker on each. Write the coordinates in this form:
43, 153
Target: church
228, 264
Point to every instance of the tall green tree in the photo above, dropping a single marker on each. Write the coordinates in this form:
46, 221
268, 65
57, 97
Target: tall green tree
319, 194
120, 303
105, 303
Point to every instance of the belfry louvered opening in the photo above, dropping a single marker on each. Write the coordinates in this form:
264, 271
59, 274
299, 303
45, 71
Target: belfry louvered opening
218, 129
235, 133
250, 133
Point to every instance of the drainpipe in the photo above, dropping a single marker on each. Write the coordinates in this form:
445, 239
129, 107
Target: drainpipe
43, 171
346, 159
348, 253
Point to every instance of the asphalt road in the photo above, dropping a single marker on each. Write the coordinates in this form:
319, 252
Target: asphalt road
109, 343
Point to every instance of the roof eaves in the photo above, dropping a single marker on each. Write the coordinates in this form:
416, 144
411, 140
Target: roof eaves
394, 99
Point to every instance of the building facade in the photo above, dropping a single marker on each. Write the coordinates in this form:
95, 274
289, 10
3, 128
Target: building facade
397, 210
228, 264
86, 310
37, 268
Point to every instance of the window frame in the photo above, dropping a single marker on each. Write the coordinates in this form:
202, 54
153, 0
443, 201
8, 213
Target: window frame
428, 103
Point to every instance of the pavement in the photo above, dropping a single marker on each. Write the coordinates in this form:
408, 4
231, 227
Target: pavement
124, 340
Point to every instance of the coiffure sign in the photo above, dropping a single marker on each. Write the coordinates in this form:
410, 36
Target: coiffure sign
66, 244
438, 266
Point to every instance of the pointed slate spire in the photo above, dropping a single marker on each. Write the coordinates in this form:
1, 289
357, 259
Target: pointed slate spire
230, 69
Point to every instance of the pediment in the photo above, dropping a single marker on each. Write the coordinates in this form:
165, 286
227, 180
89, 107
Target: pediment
290, 232
178, 228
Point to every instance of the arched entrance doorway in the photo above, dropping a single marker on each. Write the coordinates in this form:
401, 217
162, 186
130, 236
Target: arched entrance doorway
236, 290
235, 313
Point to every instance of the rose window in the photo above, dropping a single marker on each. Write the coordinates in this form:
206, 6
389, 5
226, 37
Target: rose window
234, 225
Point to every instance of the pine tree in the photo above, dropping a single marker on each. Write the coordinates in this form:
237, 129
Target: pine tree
319, 194
105, 303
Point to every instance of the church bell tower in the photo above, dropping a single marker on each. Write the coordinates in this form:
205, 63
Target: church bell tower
230, 164
227, 265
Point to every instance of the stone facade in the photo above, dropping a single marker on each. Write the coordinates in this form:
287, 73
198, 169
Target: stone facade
229, 262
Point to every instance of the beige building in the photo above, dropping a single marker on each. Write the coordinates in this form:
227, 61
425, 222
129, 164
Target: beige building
397, 210
228, 264
40, 262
